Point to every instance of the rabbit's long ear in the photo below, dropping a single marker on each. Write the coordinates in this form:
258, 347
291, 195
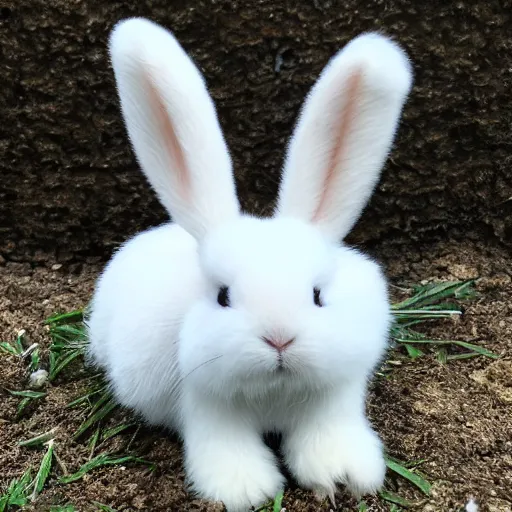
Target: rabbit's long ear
173, 125
344, 134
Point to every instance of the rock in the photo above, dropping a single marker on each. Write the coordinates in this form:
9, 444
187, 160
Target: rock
38, 379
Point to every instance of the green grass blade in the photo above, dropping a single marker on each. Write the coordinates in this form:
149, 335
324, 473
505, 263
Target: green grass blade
63, 508
34, 360
16, 494
8, 348
278, 502
28, 394
93, 441
435, 292
394, 498
413, 352
69, 332
467, 355
264, 508
413, 478
104, 508
442, 310
38, 440
103, 399
428, 303
79, 401
60, 341
101, 460
84, 398
19, 341
62, 362
52, 361
21, 407
44, 471
71, 317
410, 464
474, 348
442, 355
98, 415
362, 507
111, 432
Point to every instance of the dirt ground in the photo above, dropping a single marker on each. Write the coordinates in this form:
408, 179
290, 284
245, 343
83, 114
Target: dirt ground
456, 416
64, 145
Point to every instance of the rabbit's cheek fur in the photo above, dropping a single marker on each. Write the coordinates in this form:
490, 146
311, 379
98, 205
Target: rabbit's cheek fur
221, 354
339, 347
219, 350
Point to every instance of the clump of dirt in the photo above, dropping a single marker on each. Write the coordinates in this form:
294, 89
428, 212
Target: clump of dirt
497, 379
454, 417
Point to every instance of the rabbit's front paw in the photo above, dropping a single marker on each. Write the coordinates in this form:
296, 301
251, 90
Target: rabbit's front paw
238, 480
352, 456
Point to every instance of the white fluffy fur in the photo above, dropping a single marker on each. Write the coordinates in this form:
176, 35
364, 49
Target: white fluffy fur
173, 126
173, 354
345, 130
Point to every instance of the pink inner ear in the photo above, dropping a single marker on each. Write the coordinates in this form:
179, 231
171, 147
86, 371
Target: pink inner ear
342, 129
170, 138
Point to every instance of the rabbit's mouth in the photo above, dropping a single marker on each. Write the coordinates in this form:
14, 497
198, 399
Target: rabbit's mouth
283, 366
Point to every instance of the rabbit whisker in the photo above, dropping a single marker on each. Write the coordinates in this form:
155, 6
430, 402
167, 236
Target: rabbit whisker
209, 361
179, 382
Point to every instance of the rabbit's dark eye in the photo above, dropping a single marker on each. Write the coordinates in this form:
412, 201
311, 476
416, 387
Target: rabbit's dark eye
317, 298
223, 297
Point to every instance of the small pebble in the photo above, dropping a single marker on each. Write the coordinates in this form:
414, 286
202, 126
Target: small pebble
471, 506
38, 379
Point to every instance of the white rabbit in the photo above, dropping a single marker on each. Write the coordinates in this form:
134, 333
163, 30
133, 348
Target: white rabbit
224, 326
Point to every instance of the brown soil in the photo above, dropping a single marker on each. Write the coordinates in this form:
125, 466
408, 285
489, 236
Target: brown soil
455, 416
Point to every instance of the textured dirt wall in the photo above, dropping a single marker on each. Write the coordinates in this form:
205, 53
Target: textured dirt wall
69, 186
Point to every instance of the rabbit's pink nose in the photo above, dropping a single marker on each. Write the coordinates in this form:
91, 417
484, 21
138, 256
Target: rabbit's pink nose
279, 343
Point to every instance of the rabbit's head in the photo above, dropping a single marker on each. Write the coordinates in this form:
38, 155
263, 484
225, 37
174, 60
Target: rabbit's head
285, 303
